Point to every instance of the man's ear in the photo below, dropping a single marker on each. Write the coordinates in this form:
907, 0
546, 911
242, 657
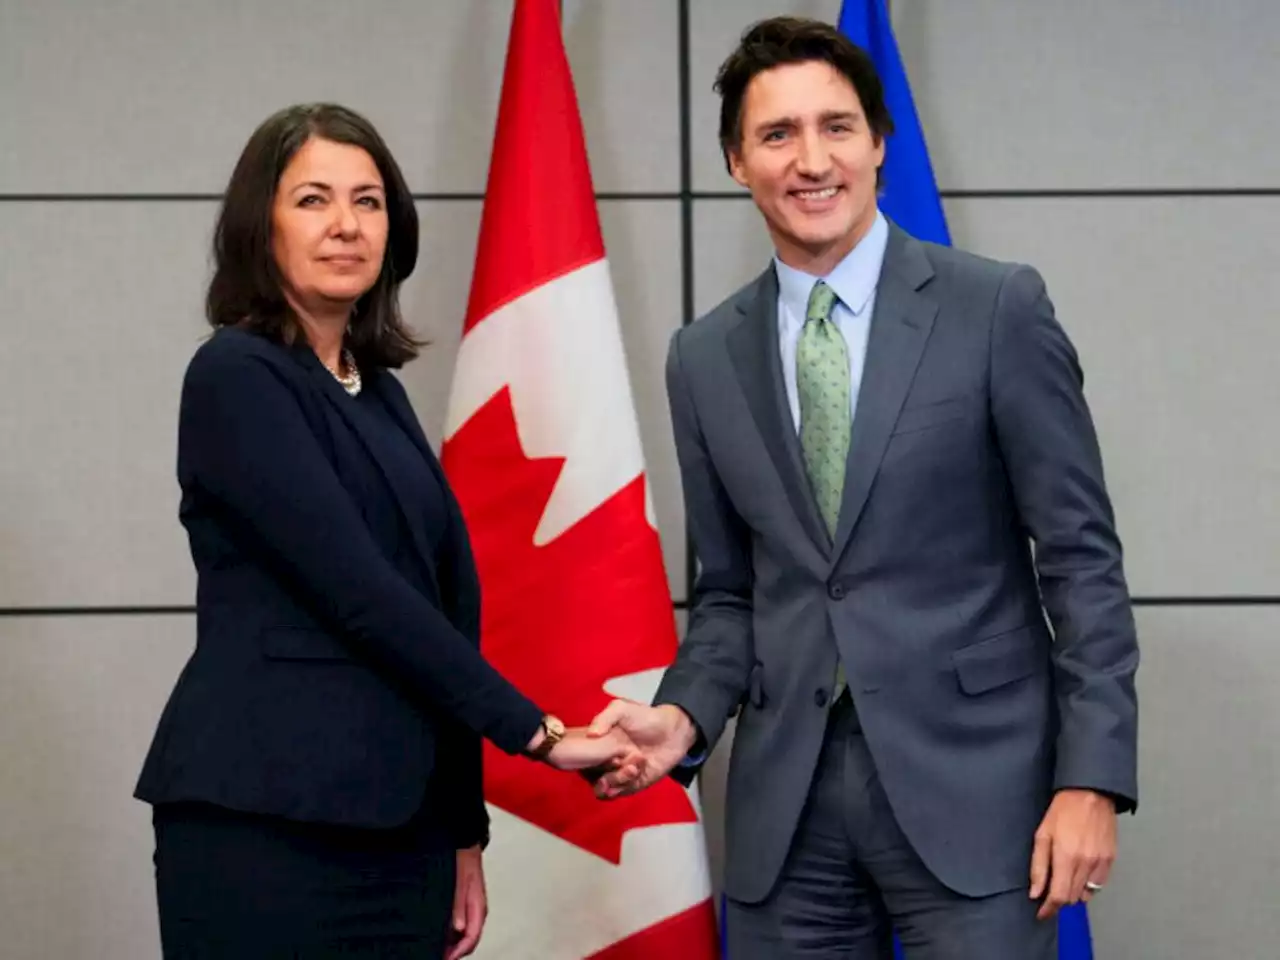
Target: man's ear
733, 160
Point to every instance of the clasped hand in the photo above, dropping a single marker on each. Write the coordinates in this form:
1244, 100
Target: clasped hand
629, 746
661, 736
584, 752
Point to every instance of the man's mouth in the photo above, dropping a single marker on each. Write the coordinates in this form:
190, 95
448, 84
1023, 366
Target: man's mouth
826, 193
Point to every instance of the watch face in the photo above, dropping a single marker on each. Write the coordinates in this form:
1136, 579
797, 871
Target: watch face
555, 726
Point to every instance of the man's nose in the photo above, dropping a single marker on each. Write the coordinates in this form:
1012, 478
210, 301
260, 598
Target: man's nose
813, 158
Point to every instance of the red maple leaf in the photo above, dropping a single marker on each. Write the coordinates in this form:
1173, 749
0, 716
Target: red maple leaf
561, 619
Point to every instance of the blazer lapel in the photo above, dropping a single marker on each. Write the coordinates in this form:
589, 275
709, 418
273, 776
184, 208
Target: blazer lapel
455, 568
403, 414
900, 327
374, 441
753, 350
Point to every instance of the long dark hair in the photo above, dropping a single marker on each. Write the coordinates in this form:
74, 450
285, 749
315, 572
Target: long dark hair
246, 288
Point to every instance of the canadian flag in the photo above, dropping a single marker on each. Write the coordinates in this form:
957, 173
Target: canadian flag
543, 451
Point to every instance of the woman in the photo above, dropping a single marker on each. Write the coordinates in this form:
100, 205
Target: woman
316, 774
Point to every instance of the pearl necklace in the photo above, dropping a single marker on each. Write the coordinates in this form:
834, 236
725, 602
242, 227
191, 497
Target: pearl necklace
351, 382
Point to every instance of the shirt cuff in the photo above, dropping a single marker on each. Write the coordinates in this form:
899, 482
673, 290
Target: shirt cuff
695, 757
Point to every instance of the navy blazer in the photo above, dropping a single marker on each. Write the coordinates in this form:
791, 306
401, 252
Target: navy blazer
325, 686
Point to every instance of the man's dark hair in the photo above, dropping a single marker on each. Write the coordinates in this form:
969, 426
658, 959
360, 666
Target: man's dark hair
784, 40
246, 287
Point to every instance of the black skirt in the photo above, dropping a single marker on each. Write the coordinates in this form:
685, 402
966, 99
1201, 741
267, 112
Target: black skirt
232, 885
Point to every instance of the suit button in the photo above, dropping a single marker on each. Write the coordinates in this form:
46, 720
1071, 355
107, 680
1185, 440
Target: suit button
820, 697
836, 591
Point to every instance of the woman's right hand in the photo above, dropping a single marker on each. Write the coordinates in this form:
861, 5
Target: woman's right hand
578, 751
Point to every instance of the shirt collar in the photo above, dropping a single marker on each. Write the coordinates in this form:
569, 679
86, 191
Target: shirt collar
853, 279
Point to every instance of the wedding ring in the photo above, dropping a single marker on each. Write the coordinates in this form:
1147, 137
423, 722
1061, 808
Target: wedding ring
1092, 887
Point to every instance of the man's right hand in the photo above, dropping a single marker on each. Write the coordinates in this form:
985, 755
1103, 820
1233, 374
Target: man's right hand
664, 735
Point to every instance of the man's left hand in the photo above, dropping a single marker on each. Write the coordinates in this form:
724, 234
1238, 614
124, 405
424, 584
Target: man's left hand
1074, 846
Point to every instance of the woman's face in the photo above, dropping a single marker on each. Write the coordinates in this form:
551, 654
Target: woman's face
329, 226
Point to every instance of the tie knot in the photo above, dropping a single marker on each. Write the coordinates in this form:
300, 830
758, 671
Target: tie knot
821, 300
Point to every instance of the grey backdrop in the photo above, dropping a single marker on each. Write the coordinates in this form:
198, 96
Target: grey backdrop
1128, 150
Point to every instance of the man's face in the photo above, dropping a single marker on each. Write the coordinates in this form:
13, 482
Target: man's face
810, 160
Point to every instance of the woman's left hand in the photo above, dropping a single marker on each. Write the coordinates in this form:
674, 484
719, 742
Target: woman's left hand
470, 905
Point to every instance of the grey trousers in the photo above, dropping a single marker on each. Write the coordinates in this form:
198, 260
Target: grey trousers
851, 878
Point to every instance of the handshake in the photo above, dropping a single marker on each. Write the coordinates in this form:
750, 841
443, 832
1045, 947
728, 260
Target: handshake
628, 747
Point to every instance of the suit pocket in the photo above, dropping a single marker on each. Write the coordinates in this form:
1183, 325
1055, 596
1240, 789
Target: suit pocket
755, 686
929, 415
753, 696
302, 643
997, 661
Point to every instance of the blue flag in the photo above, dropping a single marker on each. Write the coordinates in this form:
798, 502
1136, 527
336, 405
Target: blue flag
910, 194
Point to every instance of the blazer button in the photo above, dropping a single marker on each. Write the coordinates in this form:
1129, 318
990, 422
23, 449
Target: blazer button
836, 591
820, 697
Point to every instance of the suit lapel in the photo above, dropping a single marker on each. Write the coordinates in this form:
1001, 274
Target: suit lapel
900, 327
753, 350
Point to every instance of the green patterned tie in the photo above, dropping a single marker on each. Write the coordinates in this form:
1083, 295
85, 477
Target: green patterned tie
822, 380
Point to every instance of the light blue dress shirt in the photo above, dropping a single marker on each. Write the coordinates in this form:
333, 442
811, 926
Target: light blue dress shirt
854, 281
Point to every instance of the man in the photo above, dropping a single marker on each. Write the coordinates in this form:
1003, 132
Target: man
891, 476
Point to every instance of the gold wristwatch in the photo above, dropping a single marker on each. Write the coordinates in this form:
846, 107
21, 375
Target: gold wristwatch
553, 730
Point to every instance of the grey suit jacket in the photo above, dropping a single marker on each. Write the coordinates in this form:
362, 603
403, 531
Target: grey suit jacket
972, 444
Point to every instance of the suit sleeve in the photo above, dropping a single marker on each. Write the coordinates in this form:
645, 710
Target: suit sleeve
1050, 448
245, 440
709, 676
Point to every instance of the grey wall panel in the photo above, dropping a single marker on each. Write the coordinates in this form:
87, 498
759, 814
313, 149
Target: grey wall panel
624, 60
730, 248
103, 304
1199, 864
1170, 303
189, 82
81, 699
642, 243
434, 303
1087, 95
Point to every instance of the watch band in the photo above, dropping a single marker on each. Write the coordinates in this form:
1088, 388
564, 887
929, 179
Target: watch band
553, 733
